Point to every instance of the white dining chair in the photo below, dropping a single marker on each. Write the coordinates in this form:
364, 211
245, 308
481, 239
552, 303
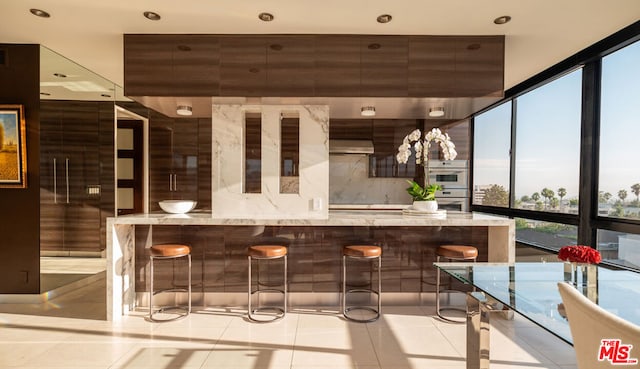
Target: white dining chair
590, 324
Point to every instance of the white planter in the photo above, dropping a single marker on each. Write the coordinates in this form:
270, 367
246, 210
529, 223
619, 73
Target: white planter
430, 206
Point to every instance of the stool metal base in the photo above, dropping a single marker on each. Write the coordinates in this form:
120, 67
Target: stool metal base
181, 311
439, 309
346, 310
278, 312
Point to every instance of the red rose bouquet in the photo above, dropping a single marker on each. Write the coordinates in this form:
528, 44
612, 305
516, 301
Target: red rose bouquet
579, 254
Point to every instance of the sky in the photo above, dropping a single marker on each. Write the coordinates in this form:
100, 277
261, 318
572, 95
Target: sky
9, 123
548, 133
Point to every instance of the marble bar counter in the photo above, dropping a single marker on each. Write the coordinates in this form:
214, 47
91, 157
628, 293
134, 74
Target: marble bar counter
402, 234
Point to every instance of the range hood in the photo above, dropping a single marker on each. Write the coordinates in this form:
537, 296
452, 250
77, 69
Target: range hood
350, 147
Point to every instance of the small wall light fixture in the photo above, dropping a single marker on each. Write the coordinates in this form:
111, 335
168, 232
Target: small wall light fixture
184, 110
368, 111
436, 112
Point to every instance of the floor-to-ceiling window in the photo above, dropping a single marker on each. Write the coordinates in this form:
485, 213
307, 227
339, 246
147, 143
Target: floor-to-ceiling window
619, 170
570, 175
547, 159
491, 164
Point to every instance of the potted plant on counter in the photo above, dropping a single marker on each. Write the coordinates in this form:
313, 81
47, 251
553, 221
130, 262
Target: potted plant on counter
424, 196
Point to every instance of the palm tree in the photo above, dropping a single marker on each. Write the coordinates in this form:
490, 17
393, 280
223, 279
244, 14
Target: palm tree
636, 190
547, 194
622, 194
535, 197
562, 192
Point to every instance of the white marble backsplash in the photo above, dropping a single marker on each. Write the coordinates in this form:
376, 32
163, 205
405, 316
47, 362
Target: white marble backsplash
349, 183
228, 199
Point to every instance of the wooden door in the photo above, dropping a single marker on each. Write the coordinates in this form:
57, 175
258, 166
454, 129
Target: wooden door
81, 180
51, 178
130, 167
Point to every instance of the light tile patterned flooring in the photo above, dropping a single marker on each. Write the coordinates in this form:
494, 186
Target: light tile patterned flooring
70, 332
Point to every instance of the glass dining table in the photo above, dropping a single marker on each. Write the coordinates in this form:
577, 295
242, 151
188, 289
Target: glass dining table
530, 289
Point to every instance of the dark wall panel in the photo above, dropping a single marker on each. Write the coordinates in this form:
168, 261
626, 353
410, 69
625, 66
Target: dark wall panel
20, 208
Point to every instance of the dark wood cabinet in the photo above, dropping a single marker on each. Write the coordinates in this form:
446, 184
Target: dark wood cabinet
337, 71
456, 66
480, 65
243, 66
173, 159
383, 66
148, 68
196, 65
290, 66
432, 70
70, 210
314, 65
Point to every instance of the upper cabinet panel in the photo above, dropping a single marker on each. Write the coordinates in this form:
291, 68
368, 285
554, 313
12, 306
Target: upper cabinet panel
480, 65
243, 66
196, 65
384, 64
171, 65
314, 65
432, 66
290, 66
148, 66
337, 70
456, 66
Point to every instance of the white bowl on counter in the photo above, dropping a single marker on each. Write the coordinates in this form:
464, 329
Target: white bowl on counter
177, 206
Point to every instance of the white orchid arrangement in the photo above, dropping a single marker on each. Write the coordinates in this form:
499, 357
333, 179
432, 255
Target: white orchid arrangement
421, 145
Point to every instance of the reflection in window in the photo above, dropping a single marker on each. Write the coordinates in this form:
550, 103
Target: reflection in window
492, 144
619, 178
545, 234
619, 248
289, 152
548, 146
253, 153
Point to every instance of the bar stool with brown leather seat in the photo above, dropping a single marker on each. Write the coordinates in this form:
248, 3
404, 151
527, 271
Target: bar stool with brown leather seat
261, 253
169, 252
452, 253
361, 252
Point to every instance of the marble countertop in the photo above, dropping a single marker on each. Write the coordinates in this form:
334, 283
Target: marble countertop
336, 218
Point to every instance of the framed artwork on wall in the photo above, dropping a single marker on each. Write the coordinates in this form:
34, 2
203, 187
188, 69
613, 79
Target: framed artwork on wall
13, 147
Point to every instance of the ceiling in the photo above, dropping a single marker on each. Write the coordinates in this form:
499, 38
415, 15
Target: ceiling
540, 34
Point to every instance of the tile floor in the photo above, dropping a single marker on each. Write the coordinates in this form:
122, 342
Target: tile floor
68, 332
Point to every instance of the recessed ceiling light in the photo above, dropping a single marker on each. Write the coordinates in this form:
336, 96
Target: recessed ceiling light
40, 13
436, 112
368, 111
184, 110
266, 17
60, 75
152, 16
502, 20
384, 18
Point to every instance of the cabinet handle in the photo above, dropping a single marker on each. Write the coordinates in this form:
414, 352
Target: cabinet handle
55, 182
67, 175
170, 182
175, 182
